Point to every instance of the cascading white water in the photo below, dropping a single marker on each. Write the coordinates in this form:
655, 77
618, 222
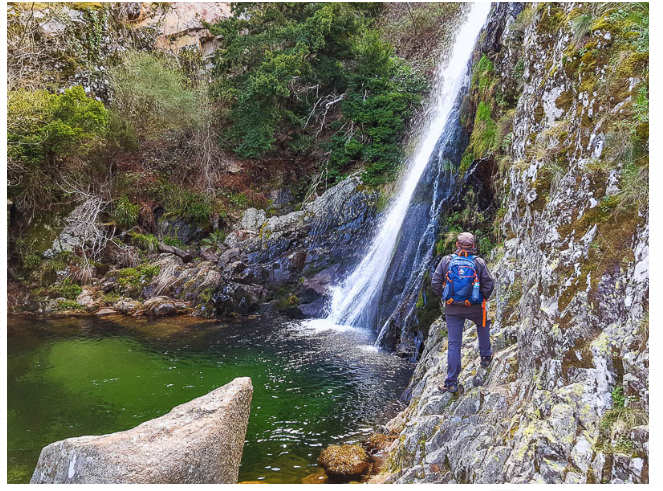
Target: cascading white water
352, 298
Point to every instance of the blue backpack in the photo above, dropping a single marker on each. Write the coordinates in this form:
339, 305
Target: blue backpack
461, 286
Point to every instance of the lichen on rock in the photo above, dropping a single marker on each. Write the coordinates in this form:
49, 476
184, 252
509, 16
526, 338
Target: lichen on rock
570, 328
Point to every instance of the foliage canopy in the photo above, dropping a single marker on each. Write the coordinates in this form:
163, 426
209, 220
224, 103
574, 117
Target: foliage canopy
289, 72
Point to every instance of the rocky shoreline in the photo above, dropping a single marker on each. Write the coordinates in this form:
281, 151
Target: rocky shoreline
278, 264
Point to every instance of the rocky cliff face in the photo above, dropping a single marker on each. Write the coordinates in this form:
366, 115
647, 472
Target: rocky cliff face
298, 254
60, 45
283, 263
566, 398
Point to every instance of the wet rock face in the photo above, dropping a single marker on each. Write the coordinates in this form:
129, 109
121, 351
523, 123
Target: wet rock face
566, 398
307, 250
197, 442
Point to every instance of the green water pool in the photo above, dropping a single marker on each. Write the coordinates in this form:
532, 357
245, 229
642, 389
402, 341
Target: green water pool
313, 386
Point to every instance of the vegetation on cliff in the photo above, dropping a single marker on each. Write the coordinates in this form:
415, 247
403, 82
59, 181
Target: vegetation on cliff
555, 184
302, 79
132, 137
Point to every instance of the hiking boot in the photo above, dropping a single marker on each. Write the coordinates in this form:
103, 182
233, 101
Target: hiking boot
485, 361
452, 388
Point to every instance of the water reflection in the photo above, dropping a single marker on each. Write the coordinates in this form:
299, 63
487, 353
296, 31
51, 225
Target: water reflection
314, 383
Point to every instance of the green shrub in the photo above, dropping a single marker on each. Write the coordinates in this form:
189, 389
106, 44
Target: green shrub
172, 241
486, 245
111, 298
66, 289
126, 213
239, 200
214, 240
145, 241
482, 75
181, 203
151, 94
32, 261
65, 305
618, 397
120, 134
42, 129
136, 277
382, 94
519, 70
43, 126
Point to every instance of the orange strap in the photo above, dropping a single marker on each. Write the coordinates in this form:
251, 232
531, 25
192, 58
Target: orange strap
484, 312
467, 303
449, 301
461, 253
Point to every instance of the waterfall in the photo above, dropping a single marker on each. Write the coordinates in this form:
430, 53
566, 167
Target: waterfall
355, 301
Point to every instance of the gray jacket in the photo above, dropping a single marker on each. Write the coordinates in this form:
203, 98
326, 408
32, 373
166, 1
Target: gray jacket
486, 284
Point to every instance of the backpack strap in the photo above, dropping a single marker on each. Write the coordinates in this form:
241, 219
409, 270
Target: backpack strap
483, 306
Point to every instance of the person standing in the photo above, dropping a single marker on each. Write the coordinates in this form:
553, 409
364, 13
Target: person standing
464, 282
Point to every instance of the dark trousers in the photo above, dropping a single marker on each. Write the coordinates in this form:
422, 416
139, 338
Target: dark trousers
455, 329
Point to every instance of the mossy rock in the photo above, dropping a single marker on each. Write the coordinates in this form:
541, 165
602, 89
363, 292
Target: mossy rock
344, 461
379, 441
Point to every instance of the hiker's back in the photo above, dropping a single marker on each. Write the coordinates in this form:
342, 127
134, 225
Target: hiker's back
461, 285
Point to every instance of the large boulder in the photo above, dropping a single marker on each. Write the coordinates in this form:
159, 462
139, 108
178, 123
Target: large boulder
252, 219
197, 442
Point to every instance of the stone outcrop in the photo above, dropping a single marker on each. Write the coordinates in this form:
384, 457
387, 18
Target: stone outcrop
75, 43
303, 250
81, 229
180, 24
197, 442
299, 255
566, 398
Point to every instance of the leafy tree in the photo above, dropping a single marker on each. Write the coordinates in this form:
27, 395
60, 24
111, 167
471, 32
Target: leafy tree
42, 130
279, 63
275, 60
382, 94
43, 126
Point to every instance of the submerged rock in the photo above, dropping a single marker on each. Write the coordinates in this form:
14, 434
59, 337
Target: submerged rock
318, 478
344, 461
197, 442
105, 311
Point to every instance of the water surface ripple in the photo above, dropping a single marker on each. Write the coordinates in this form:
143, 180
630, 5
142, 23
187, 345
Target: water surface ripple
314, 384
